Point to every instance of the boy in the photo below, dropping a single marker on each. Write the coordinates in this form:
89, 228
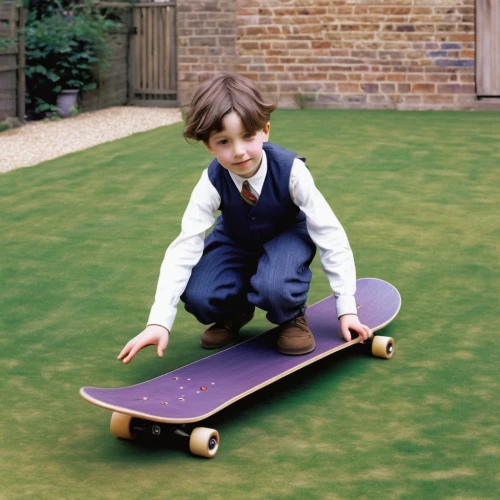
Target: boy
258, 255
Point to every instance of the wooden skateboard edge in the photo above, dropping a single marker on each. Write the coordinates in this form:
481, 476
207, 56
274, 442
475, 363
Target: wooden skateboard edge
153, 418
383, 325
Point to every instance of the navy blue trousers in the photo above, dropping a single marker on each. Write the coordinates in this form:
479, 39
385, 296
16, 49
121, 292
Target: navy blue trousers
274, 277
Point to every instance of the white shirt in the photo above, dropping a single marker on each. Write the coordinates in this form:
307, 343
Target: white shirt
186, 250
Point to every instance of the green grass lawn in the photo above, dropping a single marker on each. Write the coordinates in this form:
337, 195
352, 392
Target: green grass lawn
82, 240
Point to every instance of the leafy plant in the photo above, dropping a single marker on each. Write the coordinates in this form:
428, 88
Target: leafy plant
304, 100
66, 48
7, 43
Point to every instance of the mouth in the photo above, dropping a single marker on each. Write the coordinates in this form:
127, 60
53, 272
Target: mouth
241, 163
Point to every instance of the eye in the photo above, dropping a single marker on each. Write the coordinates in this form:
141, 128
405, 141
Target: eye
248, 135
222, 142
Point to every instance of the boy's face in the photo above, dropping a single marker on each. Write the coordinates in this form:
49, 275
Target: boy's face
236, 149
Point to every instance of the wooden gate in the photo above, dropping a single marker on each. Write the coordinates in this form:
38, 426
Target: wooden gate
488, 48
153, 61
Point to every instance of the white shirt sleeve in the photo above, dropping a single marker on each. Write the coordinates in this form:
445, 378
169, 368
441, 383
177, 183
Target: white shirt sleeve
184, 252
329, 236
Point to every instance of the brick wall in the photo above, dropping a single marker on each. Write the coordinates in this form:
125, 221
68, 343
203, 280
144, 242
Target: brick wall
405, 54
353, 53
206, 37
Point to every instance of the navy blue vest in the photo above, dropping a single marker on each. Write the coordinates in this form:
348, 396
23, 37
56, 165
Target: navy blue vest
274, 211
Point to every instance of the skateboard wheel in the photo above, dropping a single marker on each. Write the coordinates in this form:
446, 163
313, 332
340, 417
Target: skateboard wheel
382, 347
120, 426
204, 442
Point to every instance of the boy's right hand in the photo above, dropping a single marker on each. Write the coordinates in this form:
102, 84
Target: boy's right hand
152, 335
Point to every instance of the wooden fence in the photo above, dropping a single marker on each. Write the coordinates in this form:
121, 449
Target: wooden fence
12, 62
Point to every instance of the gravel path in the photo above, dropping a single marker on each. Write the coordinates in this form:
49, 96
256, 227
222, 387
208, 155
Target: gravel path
39, 141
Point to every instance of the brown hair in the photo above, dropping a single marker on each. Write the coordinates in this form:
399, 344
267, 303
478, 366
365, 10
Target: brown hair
221, 95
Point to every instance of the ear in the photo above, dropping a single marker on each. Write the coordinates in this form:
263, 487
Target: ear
209, 149
266, 130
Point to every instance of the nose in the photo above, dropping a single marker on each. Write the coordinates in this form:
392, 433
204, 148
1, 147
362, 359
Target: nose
239, 149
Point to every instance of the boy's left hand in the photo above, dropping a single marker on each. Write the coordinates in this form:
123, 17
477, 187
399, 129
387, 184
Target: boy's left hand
350, 322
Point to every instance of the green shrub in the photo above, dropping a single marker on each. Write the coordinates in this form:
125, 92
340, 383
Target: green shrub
66, 48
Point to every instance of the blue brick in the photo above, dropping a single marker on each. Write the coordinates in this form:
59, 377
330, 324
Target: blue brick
467, 62
455, 62
451, 46
437, 53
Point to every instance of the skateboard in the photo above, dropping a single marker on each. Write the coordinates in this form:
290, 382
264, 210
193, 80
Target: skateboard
174, 402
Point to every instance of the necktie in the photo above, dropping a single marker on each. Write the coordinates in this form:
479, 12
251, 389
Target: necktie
247, 194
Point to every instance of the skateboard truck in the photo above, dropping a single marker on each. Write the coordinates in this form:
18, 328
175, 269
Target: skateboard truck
203, 442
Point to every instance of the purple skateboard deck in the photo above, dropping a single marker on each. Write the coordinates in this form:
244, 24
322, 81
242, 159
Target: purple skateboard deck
198, 390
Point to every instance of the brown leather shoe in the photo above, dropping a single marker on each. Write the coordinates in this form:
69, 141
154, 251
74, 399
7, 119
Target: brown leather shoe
296, 337
225, 332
